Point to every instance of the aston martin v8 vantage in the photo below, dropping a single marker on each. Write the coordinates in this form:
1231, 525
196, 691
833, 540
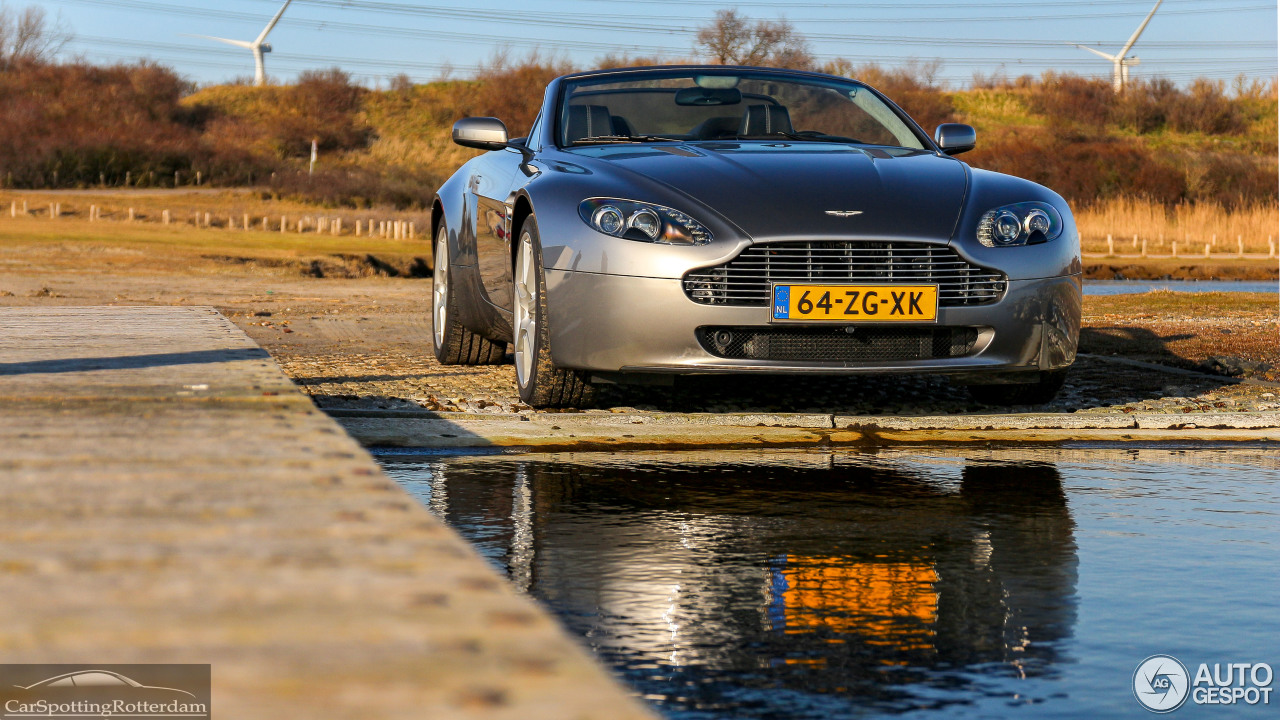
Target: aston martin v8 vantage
682, 220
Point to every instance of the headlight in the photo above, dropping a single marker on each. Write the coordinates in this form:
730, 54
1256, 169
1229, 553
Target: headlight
644, 222
1025, 223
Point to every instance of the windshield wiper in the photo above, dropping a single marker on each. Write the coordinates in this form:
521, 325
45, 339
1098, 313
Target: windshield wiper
603, 139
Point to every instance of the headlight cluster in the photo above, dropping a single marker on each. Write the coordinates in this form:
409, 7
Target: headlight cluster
644, 222
1025, 223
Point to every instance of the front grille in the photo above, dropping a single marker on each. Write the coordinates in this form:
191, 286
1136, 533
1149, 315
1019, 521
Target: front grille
836, 344
745, 280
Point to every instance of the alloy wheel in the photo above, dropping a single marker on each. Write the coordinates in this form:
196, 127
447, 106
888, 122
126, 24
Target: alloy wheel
526, 302
440, 287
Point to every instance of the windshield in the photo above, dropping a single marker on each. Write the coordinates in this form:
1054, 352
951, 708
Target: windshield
717, 105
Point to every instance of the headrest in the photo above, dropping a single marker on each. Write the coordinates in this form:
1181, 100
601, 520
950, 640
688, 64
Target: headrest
765, 120
588, 121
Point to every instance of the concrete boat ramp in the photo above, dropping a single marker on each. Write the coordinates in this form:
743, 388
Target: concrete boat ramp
170, 496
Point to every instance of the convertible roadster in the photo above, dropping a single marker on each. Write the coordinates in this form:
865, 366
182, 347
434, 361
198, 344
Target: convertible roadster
680, 220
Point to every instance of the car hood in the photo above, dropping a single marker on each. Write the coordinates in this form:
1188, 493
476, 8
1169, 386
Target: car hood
775, 190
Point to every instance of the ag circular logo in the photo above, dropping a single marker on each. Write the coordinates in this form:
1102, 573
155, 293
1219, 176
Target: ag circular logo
1161, 683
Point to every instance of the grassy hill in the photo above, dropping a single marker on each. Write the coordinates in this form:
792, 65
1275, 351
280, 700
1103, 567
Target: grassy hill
1207, 144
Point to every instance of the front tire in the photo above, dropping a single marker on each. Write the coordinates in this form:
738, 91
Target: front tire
541, 383
453, 343
1044, 390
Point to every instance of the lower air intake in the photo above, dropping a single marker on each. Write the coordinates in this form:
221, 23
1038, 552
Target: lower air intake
827, 345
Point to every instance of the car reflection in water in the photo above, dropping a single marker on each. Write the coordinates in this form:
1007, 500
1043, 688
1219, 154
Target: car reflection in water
804, 586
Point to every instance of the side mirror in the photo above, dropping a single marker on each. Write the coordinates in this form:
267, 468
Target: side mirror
954, 138
485, 133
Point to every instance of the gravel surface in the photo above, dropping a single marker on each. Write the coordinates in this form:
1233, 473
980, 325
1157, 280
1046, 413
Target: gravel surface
383, 361
366, 343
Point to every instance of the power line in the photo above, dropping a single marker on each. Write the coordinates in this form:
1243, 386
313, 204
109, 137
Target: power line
414, 65
541, 20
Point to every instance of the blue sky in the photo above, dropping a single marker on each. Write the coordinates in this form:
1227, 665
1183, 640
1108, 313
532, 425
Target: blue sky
377, 39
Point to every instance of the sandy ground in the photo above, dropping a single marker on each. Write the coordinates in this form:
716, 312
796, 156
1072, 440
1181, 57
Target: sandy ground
365, 342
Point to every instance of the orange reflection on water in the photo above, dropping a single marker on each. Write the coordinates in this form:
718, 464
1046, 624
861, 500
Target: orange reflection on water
886, 603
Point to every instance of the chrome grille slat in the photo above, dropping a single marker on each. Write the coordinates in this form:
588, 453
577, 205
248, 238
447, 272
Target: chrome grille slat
745, 280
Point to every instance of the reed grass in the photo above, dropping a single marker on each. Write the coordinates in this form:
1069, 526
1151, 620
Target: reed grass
1192, 226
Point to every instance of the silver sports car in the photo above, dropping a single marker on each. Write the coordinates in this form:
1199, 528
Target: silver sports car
679, 220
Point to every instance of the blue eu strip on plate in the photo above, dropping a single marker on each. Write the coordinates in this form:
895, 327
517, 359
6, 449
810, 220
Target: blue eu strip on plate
781, 302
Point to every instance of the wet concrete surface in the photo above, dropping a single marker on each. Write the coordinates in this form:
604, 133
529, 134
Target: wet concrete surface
931, 582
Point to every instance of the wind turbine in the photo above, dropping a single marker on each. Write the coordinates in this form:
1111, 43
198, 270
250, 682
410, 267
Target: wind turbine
258, 46
1120, 63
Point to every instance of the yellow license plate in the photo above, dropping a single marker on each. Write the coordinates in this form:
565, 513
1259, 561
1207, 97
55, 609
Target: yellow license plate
856, 303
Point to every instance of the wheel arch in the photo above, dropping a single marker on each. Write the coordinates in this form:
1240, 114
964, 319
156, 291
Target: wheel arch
521, 210
437, 219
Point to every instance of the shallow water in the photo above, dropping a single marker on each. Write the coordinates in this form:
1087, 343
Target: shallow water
799, 584
1129, 287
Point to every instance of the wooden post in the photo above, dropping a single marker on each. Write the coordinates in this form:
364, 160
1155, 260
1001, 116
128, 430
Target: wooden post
207, 219
1135, 242
1206, 250
264, 224
413, 231
337, 226
1271, 247
177, 177
13, 209
1240, 245
132, 215
246, 221
165, 215
128, 178
93, 213
1144, 248
1111, 246
358, 223
24, 208
197, 177
53, 212
284, 223
231, 222
1175, 248
1160, 241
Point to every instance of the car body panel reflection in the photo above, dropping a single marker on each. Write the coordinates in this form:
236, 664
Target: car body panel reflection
844, 578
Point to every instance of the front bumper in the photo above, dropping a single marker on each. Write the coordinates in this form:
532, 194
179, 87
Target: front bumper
617, 323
